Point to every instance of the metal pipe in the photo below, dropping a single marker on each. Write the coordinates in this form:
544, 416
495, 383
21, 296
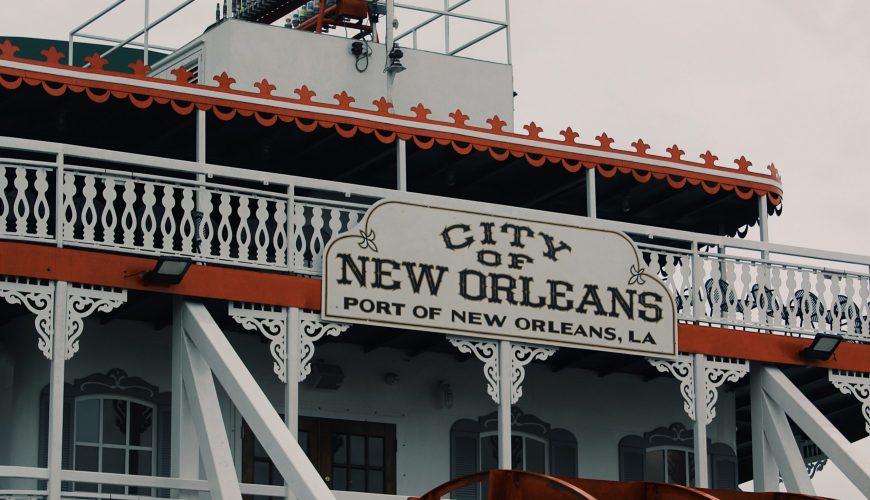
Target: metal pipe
474, 41
507, 22
145, 39
96, 16
151, 46
431, 19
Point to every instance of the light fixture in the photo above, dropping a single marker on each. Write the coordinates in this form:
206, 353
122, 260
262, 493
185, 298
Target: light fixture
168, 271
395, 64
823, 346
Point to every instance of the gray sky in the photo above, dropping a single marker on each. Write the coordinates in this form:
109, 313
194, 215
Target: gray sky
778, 81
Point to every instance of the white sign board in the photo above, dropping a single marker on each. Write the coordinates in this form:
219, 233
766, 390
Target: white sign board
482, 274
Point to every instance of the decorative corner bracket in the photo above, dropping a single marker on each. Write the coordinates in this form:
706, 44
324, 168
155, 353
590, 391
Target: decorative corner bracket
487, 352
717, 371
82, 301
271, 322
856, 384
312, 329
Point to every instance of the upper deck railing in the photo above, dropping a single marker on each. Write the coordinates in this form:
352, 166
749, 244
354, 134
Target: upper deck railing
243, 218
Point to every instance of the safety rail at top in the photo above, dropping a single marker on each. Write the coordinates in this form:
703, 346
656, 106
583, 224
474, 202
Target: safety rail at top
92, 198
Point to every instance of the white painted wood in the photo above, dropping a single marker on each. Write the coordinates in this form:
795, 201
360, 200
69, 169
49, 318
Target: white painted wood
818, 428
765, 474
785, 449
504, 404
401, 165
293, 360
702, 474
55, 408
209, 424
185, 445
591, 197
254, 406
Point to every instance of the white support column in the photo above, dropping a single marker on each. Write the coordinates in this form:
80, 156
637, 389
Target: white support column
702, 475
785, 450
401, 165
818, 428
209, 425
185, 445
252, 403
765, 474
291, 394
591, 202
58, 360
762, 218
504, 405
200, 136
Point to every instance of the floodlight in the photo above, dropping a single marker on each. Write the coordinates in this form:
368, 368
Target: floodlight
823, 346
168, 271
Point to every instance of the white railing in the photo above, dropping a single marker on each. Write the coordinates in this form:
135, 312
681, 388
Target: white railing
245, 218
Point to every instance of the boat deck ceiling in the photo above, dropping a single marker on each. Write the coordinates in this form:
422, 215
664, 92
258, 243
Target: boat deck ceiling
155, 309
28, 112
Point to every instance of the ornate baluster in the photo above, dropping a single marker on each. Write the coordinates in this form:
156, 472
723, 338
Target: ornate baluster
41, 209
334, 223
129, 222
792, 306
224, 232
167, 222
109, 219
316, 244
89, 211
4, 204
149, 222
69, 209
299, 244
187, 228
864, 306
206, 229
746, 282
761, 298
279, 237
21, 207
714, 291
820, 303
261, 235
730, 292
243, 232
776, 299
686, 284
836, 309
852, 317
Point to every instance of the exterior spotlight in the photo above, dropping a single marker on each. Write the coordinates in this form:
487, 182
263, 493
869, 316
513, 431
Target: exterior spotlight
395, 65
823, 346
168, 271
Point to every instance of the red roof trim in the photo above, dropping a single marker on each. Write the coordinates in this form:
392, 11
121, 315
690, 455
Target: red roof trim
499, 143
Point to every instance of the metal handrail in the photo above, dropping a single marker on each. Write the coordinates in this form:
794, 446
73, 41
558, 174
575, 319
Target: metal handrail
148, 26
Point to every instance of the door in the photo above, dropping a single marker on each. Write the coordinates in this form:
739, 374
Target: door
349, 455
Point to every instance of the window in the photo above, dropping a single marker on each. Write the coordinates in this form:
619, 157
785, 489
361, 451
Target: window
114, 435
535, 447
666, 455
112, 423
349, 455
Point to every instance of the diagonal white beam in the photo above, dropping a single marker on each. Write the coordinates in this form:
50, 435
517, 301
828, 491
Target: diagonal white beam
785, 449
815, 425
253, 404
209, 424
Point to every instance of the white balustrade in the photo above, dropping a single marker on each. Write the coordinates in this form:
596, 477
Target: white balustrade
221, 219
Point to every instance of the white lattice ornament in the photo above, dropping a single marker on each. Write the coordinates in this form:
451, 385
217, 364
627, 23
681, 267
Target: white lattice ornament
82, 301
38, 297
271, 322
856, 384
680, 369
487, 352
312, 329
522, 355
717, 371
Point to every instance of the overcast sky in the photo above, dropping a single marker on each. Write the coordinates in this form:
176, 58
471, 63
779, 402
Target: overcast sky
786, 82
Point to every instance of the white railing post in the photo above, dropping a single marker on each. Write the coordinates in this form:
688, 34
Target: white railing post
702, 476
591, 201
55, 408
58, 200
504, 405
507, 28
401, 165
697, 270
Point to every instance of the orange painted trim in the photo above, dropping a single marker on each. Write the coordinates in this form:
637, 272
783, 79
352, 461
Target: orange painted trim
215, 282
121, 271
768, 348
712, 180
